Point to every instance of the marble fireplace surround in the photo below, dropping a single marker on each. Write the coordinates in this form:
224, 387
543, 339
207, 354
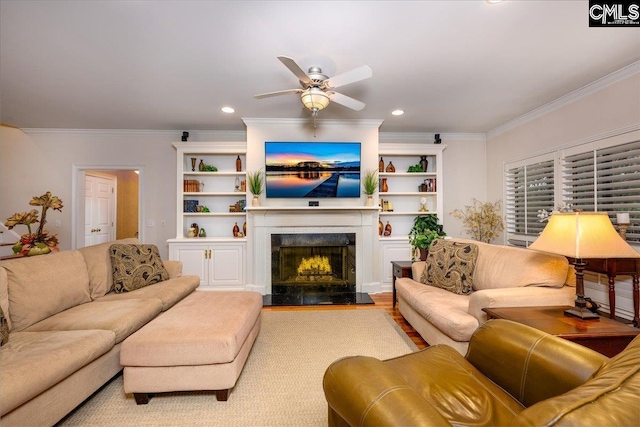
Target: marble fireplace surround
361, 220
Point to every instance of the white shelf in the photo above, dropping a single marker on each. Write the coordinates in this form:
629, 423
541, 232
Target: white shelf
404, 174
407, 193
206, 239
413, 213
312, 208
215, 193
218, 173
207, 214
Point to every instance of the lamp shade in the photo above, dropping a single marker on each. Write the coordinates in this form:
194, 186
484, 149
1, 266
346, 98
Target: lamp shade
315, 99
582, 235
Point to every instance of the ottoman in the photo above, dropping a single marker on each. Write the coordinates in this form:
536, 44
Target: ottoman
201, 343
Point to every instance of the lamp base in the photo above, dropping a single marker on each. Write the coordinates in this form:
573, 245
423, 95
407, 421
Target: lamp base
581, 313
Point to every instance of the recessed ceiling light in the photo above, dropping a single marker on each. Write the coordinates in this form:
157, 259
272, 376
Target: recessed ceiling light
228, 110
397, 112
494, 1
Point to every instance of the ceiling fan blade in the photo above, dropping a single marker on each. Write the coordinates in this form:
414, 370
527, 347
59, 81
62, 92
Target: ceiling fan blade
347, 101
277, 93
349, 77
295, 69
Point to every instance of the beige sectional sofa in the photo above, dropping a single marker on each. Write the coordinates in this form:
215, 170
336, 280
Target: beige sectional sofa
66, 329
503, 276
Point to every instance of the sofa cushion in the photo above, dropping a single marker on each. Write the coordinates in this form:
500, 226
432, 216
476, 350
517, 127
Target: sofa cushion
136, 266
445, 310
122, 317
98, 260
452, 385
32, 362
169, 292
510, 267
4, 296
4, 329
599, 401
41, 286
450, 266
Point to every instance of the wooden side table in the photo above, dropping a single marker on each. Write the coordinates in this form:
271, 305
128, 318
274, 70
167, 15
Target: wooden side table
400, 269
605, 336
612, 267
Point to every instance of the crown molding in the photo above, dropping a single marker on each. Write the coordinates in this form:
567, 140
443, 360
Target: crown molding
429, 137
365, 123
216, 134
567, 99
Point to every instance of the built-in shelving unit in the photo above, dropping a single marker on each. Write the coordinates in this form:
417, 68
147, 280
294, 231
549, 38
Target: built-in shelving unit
214, 200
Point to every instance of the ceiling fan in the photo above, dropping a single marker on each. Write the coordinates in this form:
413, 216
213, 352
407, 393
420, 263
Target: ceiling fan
317, 88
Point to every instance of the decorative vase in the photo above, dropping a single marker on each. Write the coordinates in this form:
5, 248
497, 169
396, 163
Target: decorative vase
202, 233
423, 254
236, 229
191, 232
369, 201
193, 164
196, 229
390, 167
244, 228
381, 165
380, 228
424, 163
256, 201
201, 165
384, 187
387, 229
238, 164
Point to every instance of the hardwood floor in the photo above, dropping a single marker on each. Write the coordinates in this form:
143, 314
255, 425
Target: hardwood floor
382, 301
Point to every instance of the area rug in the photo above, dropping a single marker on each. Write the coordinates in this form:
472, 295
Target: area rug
281, 384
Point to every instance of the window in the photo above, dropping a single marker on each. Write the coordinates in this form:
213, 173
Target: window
529, 188
605, 179
600, 176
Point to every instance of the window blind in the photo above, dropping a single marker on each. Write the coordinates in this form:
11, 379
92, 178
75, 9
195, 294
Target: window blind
606, 180
529, 188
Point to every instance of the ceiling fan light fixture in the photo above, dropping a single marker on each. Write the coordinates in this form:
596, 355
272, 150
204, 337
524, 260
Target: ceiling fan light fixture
314, 99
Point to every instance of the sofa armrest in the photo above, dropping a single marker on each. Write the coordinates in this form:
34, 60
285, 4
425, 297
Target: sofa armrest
417, 268
527, 296
363, 391
529, 364
174, 268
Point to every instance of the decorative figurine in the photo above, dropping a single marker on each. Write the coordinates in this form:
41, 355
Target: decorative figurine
424, 163
423, 205
202, 233
236, 230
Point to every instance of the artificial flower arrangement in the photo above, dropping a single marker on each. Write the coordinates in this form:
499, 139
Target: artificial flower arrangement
40, 242
482, 221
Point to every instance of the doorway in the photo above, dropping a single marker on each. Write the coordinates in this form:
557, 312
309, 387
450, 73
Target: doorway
106, 204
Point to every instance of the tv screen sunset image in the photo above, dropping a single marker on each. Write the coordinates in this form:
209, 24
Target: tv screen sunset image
312, 169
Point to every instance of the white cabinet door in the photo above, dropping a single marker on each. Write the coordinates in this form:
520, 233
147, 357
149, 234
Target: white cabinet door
392, 251
194, 259
226, 265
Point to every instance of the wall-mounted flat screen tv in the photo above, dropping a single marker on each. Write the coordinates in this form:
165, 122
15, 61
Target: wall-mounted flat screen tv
312, 169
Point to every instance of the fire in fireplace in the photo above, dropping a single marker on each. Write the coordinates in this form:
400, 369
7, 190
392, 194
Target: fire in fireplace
313, 264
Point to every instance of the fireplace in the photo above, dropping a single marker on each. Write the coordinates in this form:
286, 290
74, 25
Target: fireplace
313, 265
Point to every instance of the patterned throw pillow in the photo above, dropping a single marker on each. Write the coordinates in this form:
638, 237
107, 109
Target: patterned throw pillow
136, 266
4, 328
450, 266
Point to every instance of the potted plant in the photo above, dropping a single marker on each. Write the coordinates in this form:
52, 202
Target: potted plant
424, 231
370, 185
256, 185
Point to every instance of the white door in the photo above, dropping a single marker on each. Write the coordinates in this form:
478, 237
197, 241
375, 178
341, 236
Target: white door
226, 265
99, 214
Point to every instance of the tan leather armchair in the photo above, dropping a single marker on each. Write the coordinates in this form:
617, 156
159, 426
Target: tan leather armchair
512, 375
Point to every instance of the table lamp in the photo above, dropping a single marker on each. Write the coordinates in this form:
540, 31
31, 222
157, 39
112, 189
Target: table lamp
582, 235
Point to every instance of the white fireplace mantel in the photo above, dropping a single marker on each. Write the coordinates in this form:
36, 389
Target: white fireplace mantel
263, 221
